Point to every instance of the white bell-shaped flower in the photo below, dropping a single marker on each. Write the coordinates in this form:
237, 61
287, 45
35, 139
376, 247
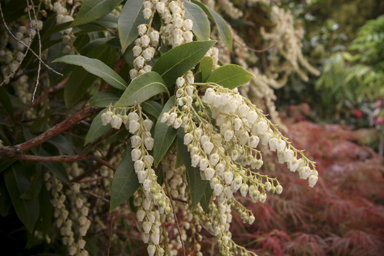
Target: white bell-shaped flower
155, 237
228, 192
133, 126
135, 154
209, 173
142, 175
214, 158
149, 142
195, 160
188, 138
313, 180
147, 226
304, 172
140, 214
164, 117
147, 13
142, 28
253, 141
138, 166
188, 24
116, 122
244, 137
262, 127
218, 189
135, 141
288, 155
145, 40
160, 6
272, 144
228, 135
145, 237
208, 146
280, 145
139, 62
252, 116
244, 190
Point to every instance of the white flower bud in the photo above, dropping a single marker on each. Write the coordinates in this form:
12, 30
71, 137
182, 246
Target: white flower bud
244, 190
304, 172
203, 164
133, 126
195, 160
252, 116
148, 53
180, 82
164, 118
137, 50
135, 141
251, 219
312, 180
228, 135
151, 249
218, 189
214, 158
76, 187
147, 4
116, 122
208, 146
244, 137
280, 145
177, 123
139, 62
138, 165
145, 40
133, 73
160, 6
148, 124
155, 237
154, 35
288, 155
262, 127
228, 192
147, 13
228, 177
79, 202
188, 138
147, 226
188, 36
253, 141
279, 189
135, 154
187, 24
177, 40
148, 142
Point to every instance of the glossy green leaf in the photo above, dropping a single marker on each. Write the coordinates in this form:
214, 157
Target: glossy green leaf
5, 163
109, 21
130, 18
124, 182
196, 185
92, 44
164, 135
91, 10
206, 65
222, 25
152, 107
201, 27
5, 200
35, 185
104, 98
142, 88
97, 68
58, 170
230, 76
26, 210
46, 210
97, 128
62, 144
179, 60
206, 198
6, 103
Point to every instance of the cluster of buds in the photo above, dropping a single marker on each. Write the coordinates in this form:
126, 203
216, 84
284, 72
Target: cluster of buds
177, 30
62, 215
63, 17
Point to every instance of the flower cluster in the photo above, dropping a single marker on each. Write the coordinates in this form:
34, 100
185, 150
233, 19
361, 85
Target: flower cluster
177, 30
63, 17
62, 215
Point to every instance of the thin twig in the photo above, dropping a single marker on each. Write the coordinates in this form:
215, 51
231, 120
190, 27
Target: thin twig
21, 42
95, 195
39, 40
101, 161
25, 53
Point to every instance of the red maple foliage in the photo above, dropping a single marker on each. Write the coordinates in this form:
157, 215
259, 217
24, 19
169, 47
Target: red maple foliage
342, 215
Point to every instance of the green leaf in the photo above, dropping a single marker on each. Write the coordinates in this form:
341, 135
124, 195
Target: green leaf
164, 135
6, 103
142, 88
222, 25
206, 65
201, 27
109, 21
57, 169
206, 198
5, 163
152, 107
230, 76
35, 186
104, 98
196, 185
130, 18
46, 210
97, 128
96, 67
26, 210
179, 60
91, 10
62, 144
79, 81
5, 200
124, 182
